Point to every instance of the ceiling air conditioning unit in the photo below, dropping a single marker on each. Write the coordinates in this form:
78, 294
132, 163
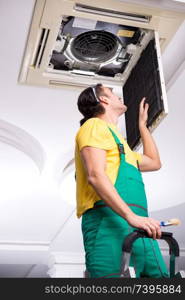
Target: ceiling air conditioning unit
74, 44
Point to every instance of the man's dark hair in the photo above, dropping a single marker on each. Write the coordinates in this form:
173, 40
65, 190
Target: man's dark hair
88, 102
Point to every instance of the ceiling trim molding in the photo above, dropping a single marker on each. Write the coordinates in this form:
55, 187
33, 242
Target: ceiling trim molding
24, 245
23, 141
64, 164
175, 76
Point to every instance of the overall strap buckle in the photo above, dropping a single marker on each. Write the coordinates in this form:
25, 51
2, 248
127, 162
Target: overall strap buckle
138, 165
121, 149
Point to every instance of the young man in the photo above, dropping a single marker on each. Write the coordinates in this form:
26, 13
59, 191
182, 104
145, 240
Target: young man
110, 192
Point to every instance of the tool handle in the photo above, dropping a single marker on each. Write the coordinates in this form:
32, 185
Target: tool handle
167, 236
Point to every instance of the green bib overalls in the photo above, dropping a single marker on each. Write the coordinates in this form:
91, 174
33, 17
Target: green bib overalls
104, 230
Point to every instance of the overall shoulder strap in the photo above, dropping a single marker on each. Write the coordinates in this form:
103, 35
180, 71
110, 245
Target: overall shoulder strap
118, 142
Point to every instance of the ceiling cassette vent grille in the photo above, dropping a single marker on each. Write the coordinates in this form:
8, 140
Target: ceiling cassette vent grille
111, 13
78, 43
44, 33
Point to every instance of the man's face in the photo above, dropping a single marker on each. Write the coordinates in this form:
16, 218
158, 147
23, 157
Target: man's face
115, 101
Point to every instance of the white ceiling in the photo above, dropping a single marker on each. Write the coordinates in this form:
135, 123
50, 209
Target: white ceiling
173, 5
37, 131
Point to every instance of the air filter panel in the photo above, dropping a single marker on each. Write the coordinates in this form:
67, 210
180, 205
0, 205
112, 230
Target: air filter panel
144, 81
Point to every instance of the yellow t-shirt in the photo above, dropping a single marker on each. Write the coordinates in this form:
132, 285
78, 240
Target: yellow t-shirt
95, 133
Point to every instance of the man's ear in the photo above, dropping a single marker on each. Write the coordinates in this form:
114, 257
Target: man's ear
104, 99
